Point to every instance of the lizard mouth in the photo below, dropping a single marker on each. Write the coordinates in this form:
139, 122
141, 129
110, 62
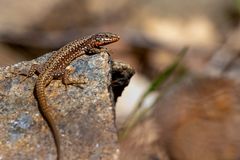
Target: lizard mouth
115, 38
112, 39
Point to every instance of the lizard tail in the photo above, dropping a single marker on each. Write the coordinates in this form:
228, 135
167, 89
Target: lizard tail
46, 113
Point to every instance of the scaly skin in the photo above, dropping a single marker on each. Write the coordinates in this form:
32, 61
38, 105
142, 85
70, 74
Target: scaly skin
55, 68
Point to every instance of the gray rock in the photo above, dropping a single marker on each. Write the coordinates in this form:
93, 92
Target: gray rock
85, 116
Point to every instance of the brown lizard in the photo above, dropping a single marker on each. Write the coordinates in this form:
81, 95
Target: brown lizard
55, 68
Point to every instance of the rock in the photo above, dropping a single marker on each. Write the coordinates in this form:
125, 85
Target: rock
85, 116
199, 119
121, 75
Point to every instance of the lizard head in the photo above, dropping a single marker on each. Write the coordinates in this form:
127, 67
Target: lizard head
101, 39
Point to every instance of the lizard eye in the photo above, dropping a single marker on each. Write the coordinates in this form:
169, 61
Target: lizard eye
98, 39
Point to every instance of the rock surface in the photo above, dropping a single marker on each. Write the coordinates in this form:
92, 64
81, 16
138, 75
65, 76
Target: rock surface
85, 116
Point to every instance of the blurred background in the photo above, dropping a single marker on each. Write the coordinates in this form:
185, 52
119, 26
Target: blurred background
152, 35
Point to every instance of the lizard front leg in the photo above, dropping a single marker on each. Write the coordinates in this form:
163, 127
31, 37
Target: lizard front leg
64, 75
69, 81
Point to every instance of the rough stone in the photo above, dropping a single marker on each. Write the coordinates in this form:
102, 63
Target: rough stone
85, 116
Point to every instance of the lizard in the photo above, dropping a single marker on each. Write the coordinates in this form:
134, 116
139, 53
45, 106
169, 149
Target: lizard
56, 68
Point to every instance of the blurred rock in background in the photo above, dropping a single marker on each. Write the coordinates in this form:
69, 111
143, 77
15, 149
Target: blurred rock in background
199, 119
